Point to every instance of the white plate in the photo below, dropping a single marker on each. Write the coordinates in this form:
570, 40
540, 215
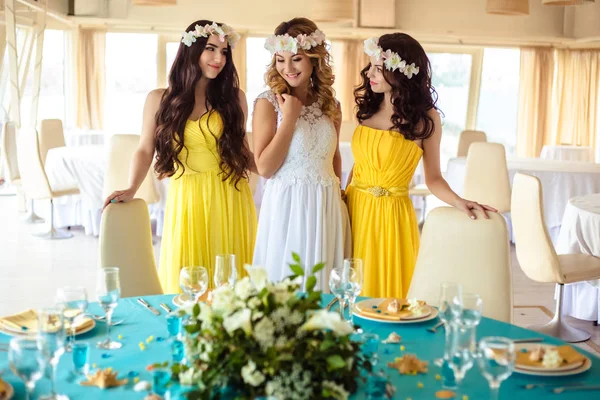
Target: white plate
10, 391
181, 299
566, 370
373, 302
11, 332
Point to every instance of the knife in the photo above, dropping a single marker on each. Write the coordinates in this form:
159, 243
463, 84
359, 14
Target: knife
165, 307
148, 306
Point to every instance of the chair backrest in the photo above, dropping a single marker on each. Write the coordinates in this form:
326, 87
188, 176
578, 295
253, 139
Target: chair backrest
9, 151
126, 242
466, 139
121, 150
50, 135
475, 254
486, 176
34, 180
535, 252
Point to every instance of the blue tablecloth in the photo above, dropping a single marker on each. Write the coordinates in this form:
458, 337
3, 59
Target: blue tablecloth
140, 324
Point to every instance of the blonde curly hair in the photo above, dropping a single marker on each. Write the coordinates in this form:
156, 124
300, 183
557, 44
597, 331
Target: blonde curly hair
322, 76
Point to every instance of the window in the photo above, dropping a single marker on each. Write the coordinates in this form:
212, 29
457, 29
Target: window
172, 48
257, 61
451, 79
499, 95
130, 75
52, 86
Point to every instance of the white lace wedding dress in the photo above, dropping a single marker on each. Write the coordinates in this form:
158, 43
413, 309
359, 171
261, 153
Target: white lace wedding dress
301, 208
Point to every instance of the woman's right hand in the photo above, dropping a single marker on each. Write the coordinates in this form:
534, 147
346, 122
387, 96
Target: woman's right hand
119, 196
290, 106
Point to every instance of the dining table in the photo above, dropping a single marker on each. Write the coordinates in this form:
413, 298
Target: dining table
142, 326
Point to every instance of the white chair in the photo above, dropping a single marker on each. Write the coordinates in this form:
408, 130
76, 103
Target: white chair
50, 136
126, 242
538, 259
474, 253
121, 150
466, 139
486, 176
35, 181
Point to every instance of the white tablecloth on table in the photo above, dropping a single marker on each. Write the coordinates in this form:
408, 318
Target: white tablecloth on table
85, 167
580, 233
560, 181
568, 153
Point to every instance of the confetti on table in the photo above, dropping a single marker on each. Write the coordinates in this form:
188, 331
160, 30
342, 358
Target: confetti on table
402, 348
445, 394
438, 377
160, 339
120, 337
420, 385
142, 346
105, 355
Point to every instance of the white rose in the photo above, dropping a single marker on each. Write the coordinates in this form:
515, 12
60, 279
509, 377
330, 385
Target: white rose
222, 300
238, 320
244, 288
258, 276
372, 48
251, 376
323, 319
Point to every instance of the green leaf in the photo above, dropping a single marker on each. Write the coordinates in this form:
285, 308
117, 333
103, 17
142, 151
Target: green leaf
326, 344
318, 267
335, 362
196, 310
311, 282
296, 257
297, 269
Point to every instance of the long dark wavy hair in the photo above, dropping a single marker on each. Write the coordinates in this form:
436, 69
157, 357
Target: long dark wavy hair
177, 104
411, 98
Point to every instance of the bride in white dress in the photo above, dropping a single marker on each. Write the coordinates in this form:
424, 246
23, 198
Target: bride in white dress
295, 137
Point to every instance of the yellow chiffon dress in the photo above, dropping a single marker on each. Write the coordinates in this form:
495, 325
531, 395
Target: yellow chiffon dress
204, 215
385, 232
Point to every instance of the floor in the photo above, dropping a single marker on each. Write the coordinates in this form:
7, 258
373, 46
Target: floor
31, 270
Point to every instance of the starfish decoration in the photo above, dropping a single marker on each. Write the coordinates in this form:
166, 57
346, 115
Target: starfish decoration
104, 379
409, 364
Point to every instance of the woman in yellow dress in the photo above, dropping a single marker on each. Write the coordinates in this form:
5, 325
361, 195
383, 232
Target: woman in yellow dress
196, 127
399, 123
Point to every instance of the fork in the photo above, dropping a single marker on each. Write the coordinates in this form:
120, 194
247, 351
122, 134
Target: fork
530, 386
331, 303
434, 328
561, 389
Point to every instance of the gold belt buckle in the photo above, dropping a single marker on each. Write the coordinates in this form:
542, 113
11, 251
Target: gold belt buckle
378, 191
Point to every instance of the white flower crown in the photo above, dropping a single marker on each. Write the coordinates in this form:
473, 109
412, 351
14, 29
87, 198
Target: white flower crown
392, 61
223, 31
280, 43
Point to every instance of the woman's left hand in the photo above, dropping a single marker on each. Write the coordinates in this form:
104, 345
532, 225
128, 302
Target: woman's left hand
467, 206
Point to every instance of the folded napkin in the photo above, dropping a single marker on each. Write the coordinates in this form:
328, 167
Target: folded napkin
567, 353
382, 312
27, 322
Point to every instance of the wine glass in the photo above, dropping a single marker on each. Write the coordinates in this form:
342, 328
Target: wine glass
497, 361
25, 362
108, 291
337, 285
225, 270
471, 308
193, 281
51, 344
447, 312
353, 275
74, 302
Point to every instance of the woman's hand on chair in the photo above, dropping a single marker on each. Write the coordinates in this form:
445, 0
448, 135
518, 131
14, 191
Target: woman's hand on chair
467, 206
119, 196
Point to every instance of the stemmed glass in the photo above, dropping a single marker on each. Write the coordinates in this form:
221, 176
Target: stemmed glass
25, 362
74, 302
108, 291
193, 281
337, 285
353, 275
447, 312
225, 270
51, 344
497, 361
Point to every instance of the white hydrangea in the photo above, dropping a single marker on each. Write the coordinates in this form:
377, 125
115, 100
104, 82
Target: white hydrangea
190, 377
222, 300
251, 375
337, 391
264, 333
244, 288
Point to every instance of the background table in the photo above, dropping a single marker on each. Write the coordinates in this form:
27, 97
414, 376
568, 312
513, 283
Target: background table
580, 233
140, 324
568, 153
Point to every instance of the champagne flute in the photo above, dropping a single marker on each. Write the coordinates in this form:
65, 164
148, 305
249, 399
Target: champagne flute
497, 361
193, 281
25, 362
225, 270
51, 344
353, 275
448, 310
338, 288
108, 291
74, 302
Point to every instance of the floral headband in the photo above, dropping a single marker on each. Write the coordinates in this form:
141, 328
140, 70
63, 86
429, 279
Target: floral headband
223, 31
281, 43
392, 61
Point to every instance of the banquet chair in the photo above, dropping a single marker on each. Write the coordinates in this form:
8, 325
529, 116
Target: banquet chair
126, 242
50, 136
466, 139
35, 182
486, 176
538, 259
121, 150
473, 253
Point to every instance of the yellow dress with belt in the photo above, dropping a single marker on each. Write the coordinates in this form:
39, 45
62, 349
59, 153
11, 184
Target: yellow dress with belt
385, 232
204, 216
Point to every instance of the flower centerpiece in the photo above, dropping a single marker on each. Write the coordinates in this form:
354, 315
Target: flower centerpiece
261, 338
